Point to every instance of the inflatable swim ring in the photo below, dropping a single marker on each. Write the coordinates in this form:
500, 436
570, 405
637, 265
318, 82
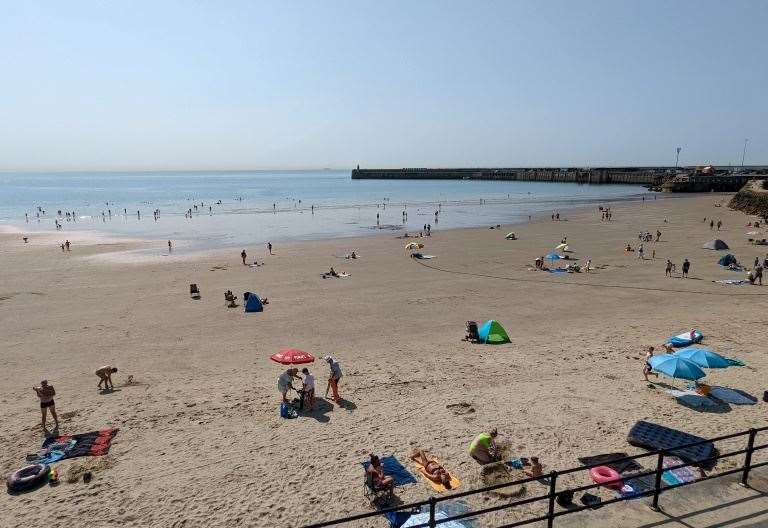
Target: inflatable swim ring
27, 477
603, 474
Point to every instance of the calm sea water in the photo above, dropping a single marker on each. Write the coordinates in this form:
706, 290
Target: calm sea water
240, 208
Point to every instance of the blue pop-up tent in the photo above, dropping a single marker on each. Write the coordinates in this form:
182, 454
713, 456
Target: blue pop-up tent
252, 303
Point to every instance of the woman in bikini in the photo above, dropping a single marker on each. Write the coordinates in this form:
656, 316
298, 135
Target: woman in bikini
376, 472
432, 469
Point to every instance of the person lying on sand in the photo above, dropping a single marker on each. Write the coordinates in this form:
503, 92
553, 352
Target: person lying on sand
483, 448
432, 469
105, 376
375, 471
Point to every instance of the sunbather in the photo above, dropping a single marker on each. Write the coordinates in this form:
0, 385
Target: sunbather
432, 468
375, 470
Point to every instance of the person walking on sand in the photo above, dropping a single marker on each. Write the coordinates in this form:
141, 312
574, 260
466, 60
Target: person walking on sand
483, 447
243, 255
759, 274
711, 224
105, 377
170, 246
334, 376
647, 368
686, 267
66, 245
668, 269
269, 247
46, 393
719, 224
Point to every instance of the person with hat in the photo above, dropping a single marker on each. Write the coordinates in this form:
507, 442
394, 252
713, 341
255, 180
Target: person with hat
333, 378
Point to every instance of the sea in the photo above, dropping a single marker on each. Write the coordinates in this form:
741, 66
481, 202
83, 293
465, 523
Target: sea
201, 210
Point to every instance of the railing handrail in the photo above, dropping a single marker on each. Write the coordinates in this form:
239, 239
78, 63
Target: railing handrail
552, 494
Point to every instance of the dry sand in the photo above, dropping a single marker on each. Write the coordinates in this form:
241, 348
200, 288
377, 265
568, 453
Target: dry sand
201, 442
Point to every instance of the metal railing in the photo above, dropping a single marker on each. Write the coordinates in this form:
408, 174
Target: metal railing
553, 493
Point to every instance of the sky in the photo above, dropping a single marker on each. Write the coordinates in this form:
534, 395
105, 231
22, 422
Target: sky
167, 85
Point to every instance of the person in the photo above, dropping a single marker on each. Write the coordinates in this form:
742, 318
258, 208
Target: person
647, 368
432, 468
66, 244
375, 470
284, 382
628, 249
333, 378
332, 272
757, 262
686, 267
105, 377
658, 235
536, 469
170, 246
759, 274
588, 266
62, 248
711, 224
640, 252
353, 255
308, 387
46, 393
483, 448
269, 247
243, 256
668, 269
719, 224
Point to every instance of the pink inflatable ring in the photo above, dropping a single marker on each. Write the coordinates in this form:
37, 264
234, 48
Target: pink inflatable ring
603, 474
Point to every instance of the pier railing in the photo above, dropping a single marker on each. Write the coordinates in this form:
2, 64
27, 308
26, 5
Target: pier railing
550, 498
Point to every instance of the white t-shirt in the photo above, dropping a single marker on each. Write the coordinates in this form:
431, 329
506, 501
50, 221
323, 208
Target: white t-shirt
309, 382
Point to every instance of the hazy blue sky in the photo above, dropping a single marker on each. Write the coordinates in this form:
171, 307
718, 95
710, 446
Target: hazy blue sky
229, 84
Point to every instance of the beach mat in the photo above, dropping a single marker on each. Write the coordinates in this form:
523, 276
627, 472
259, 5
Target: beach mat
607, 460
634, 486
394, 469
691, 398
680, 475
438, 487
653, 436
733, 396
95, 443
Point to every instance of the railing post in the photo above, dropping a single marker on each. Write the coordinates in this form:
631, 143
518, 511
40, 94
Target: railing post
657, 483
748, 457
432, 512
552, 488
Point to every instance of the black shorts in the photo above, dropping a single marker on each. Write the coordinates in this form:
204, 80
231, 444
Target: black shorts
44, 405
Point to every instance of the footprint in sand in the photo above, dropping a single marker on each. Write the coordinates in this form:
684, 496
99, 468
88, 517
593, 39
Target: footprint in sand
460, 408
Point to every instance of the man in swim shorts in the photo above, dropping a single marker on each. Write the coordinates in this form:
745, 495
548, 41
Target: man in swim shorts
105, 377
46, 393
483, 448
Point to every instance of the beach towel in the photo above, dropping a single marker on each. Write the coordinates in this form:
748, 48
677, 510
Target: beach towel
394, 469
679, 475
437, 486
421, 256
692, 398
684, 339
95, 443
418, 519
733, 282
634, 486
731, 396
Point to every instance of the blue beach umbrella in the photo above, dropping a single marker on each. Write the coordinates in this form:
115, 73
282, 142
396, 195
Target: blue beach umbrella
553, 256
676, 367
703, 357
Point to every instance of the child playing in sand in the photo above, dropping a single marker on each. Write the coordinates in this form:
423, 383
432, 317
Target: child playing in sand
647, 368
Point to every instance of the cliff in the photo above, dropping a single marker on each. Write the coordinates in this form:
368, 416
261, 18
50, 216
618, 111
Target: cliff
752, 199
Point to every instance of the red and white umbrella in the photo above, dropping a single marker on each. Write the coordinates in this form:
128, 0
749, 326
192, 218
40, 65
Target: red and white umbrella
292, 356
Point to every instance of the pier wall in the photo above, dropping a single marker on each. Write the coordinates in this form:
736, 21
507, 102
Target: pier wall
650, 176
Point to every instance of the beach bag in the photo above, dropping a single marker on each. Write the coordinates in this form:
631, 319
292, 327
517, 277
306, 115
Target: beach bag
286, 411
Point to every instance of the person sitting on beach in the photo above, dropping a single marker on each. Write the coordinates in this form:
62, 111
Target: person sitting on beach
353, 255
375, 471
483, 448
535, 470
264, 300
432, 468
284, 382
105, 377
628, 249
332, 272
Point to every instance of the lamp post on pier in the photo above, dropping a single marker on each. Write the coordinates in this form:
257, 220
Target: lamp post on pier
744, 152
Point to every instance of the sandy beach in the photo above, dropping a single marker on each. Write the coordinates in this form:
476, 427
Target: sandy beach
201, 442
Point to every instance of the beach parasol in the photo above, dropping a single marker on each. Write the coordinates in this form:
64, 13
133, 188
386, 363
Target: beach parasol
703, 357
292, 356
676, 367
553, 256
